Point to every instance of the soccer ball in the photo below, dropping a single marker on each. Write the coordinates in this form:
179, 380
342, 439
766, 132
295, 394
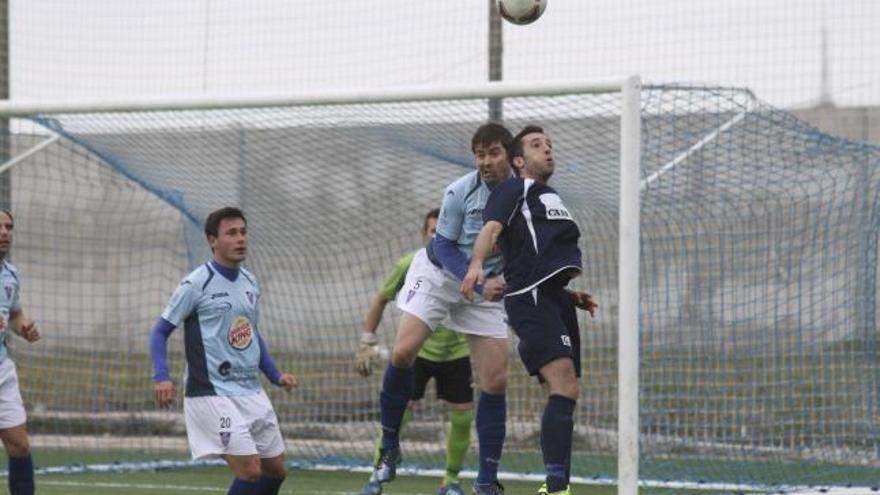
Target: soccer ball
521, 11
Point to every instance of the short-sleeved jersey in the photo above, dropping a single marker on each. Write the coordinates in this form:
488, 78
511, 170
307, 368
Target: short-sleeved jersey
220, 319
443, 344
8, 303
461, 217
540, 237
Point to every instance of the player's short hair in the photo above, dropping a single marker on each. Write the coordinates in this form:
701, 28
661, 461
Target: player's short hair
434, 213
212, 223
488, 134
516, 145
516, 148
6, 210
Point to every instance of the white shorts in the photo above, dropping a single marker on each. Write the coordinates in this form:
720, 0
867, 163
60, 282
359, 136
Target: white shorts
11, 405
232, 425
431, 294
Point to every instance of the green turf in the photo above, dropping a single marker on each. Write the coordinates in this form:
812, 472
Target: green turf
690, 468
216, 480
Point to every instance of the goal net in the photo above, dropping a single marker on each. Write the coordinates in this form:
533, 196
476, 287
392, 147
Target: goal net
757, 310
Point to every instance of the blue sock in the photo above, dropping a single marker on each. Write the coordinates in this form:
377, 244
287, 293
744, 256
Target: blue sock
397, 388
491, 428
557, 425
242, 487
269, 486
21, 475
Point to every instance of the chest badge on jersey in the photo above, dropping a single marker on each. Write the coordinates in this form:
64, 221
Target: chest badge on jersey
250, 296
240, 333
9, 290
554, 207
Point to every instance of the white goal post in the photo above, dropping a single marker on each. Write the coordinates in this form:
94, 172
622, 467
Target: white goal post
629, 89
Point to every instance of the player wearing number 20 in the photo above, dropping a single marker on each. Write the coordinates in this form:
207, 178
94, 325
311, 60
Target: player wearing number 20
227, 412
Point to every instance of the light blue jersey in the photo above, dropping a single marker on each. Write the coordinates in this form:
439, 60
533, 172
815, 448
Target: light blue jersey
461, 217
8, 303
220, 319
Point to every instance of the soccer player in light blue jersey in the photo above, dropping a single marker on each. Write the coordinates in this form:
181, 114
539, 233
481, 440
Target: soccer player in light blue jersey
444, 357
13, 432
431, 295
228, 414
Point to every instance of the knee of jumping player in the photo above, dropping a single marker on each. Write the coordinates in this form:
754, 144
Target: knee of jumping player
493, 379
403, 356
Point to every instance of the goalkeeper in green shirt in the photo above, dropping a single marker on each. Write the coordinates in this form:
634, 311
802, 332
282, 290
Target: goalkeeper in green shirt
445, 357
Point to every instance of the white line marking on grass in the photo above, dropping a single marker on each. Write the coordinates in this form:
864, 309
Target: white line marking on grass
140, 486
133, 486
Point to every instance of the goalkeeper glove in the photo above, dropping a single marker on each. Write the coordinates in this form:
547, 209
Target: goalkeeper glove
367, 354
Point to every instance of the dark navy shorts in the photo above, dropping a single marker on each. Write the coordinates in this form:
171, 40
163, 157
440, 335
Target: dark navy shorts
546, 324
453, 379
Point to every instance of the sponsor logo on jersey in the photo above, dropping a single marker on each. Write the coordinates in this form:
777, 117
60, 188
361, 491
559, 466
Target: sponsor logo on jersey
554, 207
240, 333
475, 211
566, 340
219, 294
223, 369
9, 290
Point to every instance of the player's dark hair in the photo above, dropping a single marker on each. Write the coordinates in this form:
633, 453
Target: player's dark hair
212, 223
488, 134
516, 146
6, 210
435, 213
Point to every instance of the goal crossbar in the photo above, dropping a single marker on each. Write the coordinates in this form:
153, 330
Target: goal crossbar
500, 89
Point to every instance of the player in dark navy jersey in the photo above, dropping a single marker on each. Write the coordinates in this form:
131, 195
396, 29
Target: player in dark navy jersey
539, 240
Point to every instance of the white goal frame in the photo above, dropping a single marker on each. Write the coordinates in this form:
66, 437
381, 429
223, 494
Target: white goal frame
630, 161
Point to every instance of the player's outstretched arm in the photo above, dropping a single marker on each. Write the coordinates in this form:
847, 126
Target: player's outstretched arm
584, 301
163, 387
24, 326
482, 247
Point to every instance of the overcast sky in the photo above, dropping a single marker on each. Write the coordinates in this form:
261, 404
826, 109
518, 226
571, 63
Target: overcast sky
93, 48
